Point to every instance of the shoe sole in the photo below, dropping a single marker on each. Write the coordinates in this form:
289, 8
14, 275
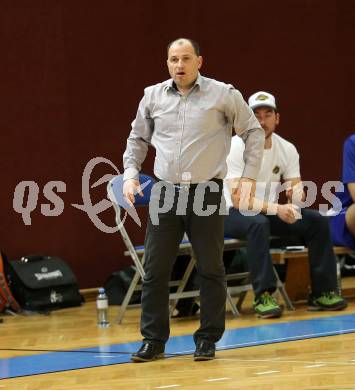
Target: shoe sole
202, 358
137, 359
269, 315
321, 308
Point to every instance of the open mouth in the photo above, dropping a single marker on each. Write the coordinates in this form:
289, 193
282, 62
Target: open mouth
180, 73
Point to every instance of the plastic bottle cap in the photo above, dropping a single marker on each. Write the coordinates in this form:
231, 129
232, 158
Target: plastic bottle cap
101, 290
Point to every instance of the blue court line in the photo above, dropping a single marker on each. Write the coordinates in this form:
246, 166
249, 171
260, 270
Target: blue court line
180, 345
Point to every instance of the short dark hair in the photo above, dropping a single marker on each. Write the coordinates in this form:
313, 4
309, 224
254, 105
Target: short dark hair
270, 108
194, 44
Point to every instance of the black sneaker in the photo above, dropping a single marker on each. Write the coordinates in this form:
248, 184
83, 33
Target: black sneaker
327, 301
148, 352
205, 350
265, 306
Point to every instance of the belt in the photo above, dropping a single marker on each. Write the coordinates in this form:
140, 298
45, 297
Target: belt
186, 186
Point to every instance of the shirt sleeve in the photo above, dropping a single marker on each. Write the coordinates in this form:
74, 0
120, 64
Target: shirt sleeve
349, 160
138, 142
248, 128
235, 162
292, 169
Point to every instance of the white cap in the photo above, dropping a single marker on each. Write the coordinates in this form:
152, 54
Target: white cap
262, 99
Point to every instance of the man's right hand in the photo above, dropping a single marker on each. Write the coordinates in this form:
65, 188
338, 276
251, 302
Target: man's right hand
130, 188
288, 213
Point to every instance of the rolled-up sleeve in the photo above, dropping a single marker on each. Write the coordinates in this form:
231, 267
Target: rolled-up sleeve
253, 152
138, 142
248, 128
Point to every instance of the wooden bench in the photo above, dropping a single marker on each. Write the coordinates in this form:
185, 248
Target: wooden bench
297, 281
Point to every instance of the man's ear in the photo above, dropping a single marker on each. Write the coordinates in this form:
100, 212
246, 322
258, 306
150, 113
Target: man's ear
277, 118
200, 59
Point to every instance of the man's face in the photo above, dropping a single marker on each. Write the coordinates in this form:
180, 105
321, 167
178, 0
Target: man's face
268, 119
183, 64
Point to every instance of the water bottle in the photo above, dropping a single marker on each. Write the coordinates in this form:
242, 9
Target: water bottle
102, 309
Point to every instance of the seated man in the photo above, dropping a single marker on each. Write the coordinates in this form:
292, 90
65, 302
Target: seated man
269, 218
343, 225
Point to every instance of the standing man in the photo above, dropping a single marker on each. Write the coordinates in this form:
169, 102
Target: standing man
188, 120
280, 163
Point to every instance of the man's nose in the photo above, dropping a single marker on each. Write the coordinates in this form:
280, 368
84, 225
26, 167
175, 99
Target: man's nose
180, 63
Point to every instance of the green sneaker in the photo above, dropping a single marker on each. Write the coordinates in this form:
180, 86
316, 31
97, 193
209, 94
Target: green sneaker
326, 301
266, 306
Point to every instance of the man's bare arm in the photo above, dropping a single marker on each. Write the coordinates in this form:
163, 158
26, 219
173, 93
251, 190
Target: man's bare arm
243, 198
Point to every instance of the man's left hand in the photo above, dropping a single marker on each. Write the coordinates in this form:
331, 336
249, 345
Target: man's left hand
243, 194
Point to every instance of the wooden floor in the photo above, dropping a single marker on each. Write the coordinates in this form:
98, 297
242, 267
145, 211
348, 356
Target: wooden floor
319, 363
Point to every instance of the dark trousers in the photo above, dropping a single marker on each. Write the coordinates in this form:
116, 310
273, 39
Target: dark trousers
313, 231
162, 241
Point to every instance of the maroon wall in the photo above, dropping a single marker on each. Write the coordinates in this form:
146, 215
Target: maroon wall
72, 74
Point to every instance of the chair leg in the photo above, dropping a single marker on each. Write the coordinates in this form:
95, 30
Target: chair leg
138, 263
283, 292
183, 282
235, 311
128, 296
241, 299
338, 263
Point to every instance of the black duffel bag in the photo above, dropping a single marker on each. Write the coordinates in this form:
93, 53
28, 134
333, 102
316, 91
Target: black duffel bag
117, 284
42, 283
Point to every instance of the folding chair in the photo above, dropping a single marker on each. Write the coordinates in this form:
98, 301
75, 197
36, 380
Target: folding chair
115, 194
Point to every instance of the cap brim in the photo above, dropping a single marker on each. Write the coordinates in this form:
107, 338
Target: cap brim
263, 105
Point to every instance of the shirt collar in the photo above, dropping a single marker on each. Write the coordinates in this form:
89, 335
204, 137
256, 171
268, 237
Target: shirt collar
199, 81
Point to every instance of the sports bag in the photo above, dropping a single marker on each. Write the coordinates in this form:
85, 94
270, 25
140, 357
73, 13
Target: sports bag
116, 286
7, 300
42, 283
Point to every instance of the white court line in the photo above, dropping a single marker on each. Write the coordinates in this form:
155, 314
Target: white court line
266, 372
187, 352
316, 365
270, 341
290, 338
217, 379
106, 356
166, 387
332, 363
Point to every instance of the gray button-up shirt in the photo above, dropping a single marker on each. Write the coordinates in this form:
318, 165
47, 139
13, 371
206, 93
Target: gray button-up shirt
192, 133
